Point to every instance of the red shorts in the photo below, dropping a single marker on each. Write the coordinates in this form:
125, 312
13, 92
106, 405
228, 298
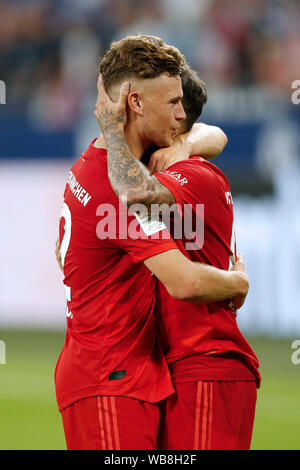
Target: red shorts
111, 423
208, 415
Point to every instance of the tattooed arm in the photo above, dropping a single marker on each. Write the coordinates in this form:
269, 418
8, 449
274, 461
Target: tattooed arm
182, 278
129, 178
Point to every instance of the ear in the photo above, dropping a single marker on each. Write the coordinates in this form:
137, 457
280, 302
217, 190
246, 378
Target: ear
135, 103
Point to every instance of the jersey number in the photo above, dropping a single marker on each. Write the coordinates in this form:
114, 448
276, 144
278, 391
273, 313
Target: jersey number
66, 214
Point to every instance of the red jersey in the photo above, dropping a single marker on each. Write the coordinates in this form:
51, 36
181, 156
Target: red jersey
203, 341
111, 345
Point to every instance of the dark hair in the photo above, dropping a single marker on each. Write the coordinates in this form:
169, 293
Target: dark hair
194, 95
140, 57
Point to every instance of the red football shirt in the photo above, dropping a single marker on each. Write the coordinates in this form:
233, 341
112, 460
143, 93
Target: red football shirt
111, 345
203, 341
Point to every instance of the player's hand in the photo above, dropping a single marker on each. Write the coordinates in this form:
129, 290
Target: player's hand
57, 254
165, 157
111, 116
238, 301
239, 264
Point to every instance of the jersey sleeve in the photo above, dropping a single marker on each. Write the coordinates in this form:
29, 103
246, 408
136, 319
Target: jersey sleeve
176, 187
139, 237
173, 186
190, 181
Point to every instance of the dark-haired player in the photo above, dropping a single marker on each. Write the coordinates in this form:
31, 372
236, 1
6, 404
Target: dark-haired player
214, 370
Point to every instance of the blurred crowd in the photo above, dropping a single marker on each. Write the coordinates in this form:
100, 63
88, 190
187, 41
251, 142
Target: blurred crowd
50, 49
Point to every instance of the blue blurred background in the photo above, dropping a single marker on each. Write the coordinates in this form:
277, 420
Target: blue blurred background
248, 53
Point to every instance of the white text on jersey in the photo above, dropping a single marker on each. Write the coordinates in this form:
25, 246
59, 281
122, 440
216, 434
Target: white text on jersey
79, 192
228, 197
177, 176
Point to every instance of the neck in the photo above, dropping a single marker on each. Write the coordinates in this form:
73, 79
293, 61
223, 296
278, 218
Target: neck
134, 142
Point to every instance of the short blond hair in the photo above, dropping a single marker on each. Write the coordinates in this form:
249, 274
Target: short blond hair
139, 57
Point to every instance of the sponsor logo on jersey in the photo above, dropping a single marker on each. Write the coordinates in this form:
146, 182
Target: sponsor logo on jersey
177, 176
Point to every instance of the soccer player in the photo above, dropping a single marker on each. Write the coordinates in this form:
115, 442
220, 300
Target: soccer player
111, 373
213, 369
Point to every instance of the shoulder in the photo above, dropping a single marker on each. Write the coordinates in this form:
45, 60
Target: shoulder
195, 179
208, 169
88, 176
192, 171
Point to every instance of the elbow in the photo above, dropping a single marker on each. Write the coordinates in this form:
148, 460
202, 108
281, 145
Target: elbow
135, 201
125, 199
223, 140
244, 284
217, 141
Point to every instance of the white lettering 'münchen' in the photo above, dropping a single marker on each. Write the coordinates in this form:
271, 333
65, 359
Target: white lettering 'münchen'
79, 192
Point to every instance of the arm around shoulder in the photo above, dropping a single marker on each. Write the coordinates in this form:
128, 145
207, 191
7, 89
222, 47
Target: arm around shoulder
196, 282
206, 141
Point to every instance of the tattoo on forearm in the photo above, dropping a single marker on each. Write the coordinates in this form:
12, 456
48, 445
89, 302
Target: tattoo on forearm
128, 176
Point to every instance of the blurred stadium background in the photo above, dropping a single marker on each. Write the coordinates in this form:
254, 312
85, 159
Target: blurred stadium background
247, 52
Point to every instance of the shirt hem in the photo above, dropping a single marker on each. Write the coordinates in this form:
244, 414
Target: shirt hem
160, 249
68, 399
